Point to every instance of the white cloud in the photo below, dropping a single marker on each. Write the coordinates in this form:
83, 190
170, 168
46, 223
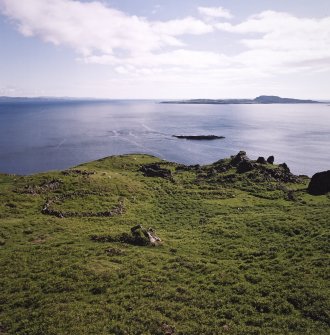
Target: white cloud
94, 28
215, 12
273, 43
282, 41
184, 26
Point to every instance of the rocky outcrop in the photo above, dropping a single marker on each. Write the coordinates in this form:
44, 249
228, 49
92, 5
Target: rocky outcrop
320, 183
284, 167
261, 160
283, 174
155, 170
245, 166
239, 158
270, 160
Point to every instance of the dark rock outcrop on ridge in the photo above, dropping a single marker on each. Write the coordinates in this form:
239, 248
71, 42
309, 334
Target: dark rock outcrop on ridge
155, 170
270, 160
261, 160
257, 170
239, 158
245, 166
320, 183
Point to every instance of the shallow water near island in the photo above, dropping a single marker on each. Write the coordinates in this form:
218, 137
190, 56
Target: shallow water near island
42, 136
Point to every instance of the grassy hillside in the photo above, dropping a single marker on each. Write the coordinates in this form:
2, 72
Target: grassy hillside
241, 253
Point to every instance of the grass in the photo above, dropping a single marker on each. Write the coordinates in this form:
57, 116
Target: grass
238, 256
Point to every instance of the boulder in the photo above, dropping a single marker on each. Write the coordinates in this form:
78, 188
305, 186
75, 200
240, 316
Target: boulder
240, 157
320, 183
245, 166
142, 236
261, 160
270, 160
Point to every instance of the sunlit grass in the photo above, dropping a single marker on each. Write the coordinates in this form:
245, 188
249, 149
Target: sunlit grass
237, 256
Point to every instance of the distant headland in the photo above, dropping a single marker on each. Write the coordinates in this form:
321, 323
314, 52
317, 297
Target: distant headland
263, 99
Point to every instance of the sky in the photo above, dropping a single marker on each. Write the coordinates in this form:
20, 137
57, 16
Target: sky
165, 49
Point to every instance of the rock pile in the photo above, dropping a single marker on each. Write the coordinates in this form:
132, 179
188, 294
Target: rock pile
138, 236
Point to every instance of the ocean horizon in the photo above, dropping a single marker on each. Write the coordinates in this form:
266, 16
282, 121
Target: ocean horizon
52, 134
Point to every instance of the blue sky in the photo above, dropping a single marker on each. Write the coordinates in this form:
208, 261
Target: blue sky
165, 49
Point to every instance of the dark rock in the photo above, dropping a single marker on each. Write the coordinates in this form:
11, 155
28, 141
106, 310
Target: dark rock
154, 170
285, 167
261, 160
320, 183
270, 160
245, 166
280, 174
240, 157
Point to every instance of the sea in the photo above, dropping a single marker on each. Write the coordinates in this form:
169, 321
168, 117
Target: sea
42, 135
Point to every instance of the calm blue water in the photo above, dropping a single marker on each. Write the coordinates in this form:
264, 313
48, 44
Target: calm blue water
40, 136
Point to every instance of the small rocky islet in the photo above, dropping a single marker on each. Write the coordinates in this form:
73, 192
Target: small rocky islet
199, 137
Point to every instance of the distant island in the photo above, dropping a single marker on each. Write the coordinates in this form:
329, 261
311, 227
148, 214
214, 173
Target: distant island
199, 137
263, 99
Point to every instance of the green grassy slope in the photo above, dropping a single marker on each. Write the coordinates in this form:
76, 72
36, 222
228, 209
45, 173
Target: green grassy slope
241, 254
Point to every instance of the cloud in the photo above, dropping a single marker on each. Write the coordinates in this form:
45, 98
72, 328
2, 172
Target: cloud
270, 43
184, 26
94, 28
180, 58
280, 40
215, 12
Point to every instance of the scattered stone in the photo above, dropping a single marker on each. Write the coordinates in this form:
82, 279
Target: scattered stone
49, 210
39, 240
271, 159
225, 328
320, 183
155, 170
46, 186
261, 160
103, 239
167, 329
113, 252
78, 172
